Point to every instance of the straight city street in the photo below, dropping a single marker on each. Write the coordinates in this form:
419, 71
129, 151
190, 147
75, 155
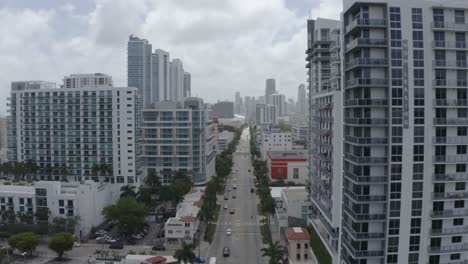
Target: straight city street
244, 242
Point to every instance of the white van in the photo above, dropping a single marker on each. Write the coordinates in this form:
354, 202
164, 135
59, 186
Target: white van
212, 260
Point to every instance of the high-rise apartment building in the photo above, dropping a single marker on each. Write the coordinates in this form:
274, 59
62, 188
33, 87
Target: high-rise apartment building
91, 80
179, 137
3, 139
70, 133
160, 76
404, 113
279, 101
238, 109
187, 84
177, 80
265, 114
270, 89
301, 99
139, 65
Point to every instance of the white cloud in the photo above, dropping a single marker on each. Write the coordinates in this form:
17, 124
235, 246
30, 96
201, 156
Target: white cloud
227, 45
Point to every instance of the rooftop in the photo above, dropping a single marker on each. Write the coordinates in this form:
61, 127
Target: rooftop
287, 154
276, 191
295, 194
297, 233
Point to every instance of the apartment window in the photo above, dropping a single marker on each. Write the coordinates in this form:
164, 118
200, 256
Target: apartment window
295, 173
460, 168
418, 74
459, 204
413, 258
419, 134
419, 116
298, 256
306, 256
392, 258
460, 186
418, 171
417, 189
455, 256
394, 227
418, 39
438, 15
416, 15
462, 113
414, 243
456, 239
462, 131
458, 221
418, 59
459, 16
396, 57
393, 244
395, 207
396, 153
415, 225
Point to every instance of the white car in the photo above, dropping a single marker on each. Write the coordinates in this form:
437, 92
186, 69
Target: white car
225, 206
76, 244
228, 231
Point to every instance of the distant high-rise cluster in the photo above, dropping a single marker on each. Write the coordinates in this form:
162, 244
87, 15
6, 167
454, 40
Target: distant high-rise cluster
154, 74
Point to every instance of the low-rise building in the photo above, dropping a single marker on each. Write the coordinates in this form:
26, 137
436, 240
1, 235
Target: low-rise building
224, 138
297, 245
300, 132
85, 201
289, 165
183, 227
273, 139
294, 203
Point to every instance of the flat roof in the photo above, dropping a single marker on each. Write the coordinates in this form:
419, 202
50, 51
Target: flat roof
297, 233
276, 191
287, 154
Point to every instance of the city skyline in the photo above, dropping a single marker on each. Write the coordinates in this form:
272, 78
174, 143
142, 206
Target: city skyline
271, 34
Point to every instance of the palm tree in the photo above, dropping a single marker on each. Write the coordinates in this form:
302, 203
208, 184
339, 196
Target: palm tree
128, 190
185, 253
153, 182
275, 251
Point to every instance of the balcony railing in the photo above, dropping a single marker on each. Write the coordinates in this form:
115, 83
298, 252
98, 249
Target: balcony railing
363, 216
365, 198
365, 160
366, 22
442, 83
451, 102
366, 179
461, 176
450, 140
366, 102
449, 195
449, 248
366, 140
366, 82
451, 158
450, 231
449, 26
449, 213
442, 44
366, 121
366, 42
368, 62
450, 64
450, 121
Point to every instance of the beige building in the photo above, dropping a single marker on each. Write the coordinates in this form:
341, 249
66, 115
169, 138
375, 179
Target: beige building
298, 246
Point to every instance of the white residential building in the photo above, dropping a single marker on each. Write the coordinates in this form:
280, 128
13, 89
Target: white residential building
224, 138
279, 101
74, 130
300, 132
274, 139
293, 206
92, 80
184, 225
177, 80
178, 136
3, 139
404, 104
139, 65
85, 201
160, 76
265, 114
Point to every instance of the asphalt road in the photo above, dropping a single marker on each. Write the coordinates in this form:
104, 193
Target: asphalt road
245, 242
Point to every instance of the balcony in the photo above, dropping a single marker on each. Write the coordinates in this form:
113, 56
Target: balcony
366, 43
359, 198
449, 26
365, 160
442, 83
450, 231
365, 22
366, 121
448, 249
321, 131
449, 213
451, 102
451, 158
366, 140
363, 235
366, 62
451, 121
461, 176
326, 119
366, 102
363, 216
449, 195
441, 44
366, 179
463, 64
450, 140
368, 82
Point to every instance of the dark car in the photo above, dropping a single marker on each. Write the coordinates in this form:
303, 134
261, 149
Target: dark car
232, 211
225, 197
249, 170
252, 190
116, 245
159, 247
226, 252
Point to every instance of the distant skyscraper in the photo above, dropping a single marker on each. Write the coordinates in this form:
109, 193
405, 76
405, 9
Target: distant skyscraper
279, 101
237, 103
223, 109
92, 80
187, 85
139, 67
265, 114
161, 76
301, 99
270, 89
176, 81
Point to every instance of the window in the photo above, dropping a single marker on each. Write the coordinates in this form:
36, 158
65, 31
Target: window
298, 256
187, 224
456, 239
458, 221
414, 243
418, 39
298, 245
415, 225
462, 131
460, 168
459, 16
394, 227
416, 15
460, 186
416, 206
459, 204
306, 256
455, 256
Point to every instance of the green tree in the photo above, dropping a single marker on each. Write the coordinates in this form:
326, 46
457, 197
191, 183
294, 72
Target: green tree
24, 242
129, 213
62, 224
128, 190
185, 253
179, 188
275, 251
62, 242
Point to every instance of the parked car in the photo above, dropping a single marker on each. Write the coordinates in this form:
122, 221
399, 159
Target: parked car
225, 207
76, 244
231, 211
252, 190
226, 252
159, 247
228, 231
225, 197
116, 245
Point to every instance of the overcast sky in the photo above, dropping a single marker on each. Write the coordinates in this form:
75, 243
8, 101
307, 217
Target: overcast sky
227, 45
